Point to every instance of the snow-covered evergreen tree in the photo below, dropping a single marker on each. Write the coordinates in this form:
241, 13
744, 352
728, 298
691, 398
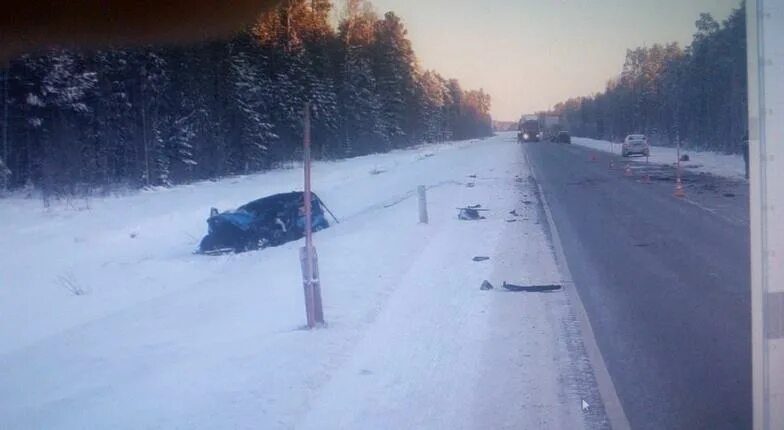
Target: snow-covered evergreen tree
160, 128
60, 99
165, 115
394, 65
251, 97
113, 124
364, 129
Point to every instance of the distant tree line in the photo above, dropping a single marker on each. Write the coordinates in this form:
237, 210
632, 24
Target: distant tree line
697, 94
156, 116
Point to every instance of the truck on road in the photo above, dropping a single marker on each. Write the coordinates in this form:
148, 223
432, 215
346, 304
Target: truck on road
529, 130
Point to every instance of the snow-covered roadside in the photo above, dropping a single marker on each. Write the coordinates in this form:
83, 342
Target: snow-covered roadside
165, 339
730, 166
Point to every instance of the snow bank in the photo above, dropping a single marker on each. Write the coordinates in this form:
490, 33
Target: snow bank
730, 166
107, 319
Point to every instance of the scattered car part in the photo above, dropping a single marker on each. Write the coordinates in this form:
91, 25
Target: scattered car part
469, 214
531, 288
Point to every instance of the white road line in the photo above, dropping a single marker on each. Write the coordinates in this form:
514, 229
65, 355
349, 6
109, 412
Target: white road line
712, 211
612, 404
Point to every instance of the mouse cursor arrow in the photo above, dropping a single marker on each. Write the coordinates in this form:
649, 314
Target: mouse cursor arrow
585, 405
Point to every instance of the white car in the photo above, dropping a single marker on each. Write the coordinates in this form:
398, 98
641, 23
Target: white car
636, 144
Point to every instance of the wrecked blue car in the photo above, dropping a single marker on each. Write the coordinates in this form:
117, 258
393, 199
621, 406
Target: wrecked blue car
270, 221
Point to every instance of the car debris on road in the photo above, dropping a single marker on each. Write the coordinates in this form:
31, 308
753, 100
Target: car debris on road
531, 288
470, 213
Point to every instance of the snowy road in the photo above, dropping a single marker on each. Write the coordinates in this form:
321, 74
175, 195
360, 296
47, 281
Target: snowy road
665, 283
108, 321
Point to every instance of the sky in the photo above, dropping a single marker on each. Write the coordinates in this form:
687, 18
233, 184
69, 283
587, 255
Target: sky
530, 54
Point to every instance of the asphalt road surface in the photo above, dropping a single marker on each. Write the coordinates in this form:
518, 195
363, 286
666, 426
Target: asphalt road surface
664, 281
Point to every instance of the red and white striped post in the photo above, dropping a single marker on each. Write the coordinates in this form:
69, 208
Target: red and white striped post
308, 257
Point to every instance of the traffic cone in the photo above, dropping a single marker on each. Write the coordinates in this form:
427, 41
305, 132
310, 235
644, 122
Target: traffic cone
628, 171
593, 157
679, 191
646, 179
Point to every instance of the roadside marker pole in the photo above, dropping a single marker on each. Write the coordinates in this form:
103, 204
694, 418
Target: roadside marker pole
679, 191
422, 193
612, 152
647, 178
307, 254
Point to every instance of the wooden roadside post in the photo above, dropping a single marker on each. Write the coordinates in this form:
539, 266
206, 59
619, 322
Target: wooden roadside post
307, 254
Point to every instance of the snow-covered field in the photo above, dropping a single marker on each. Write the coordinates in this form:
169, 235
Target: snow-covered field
107, 319
730, 166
